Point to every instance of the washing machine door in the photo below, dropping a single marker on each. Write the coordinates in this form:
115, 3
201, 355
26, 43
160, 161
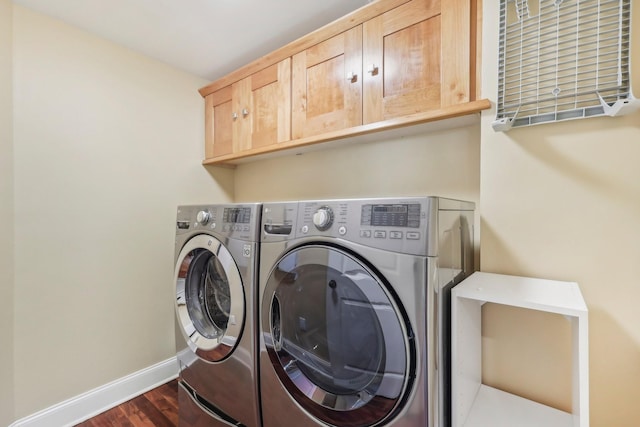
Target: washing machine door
336, 338
210, 301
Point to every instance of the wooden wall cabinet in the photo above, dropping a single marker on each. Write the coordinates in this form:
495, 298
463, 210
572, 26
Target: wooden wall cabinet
251, 113
327, 85
419, 57
390, 64
401, 56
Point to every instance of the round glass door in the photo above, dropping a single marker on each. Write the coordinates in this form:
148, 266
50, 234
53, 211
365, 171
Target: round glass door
209, 298
335, 337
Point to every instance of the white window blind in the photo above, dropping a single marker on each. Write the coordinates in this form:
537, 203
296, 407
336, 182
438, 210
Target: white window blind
563, 59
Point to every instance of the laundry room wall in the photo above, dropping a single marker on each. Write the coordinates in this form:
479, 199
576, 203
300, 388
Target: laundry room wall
562, 201
6, 215
443, 162
107, 144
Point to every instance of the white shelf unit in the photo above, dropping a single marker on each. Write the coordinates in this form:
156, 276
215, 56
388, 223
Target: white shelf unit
477, 405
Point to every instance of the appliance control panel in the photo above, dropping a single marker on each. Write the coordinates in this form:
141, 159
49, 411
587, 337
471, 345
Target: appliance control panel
405, 225
390, 224
233, 221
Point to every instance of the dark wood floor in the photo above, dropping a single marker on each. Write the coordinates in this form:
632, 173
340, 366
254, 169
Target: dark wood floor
155, 408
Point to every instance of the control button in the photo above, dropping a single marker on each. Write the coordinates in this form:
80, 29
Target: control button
395, 234
245, 228
413, 235
342, 230
323, 218
203, 217
305, 229
225, 227
365, 233
213, 225
378, 234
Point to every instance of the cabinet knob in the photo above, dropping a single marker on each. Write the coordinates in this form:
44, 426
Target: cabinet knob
351, 76
234, 116
245, 112
372, 69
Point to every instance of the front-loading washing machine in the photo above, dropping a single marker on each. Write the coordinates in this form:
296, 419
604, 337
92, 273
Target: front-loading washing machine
216, 261
354, 314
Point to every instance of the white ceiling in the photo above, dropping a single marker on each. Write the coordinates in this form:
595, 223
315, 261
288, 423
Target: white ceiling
208, 38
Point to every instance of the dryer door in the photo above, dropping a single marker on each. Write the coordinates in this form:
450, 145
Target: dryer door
210, 302
336, 338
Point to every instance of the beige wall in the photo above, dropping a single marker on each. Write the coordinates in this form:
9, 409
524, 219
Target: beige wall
443, 163
6, 215
107, 143
562, 201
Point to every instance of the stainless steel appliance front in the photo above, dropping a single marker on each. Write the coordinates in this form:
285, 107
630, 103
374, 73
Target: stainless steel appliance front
352, 310
215, 285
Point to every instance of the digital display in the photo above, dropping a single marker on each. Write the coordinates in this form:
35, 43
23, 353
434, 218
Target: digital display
391, 215
383, 209
236, 215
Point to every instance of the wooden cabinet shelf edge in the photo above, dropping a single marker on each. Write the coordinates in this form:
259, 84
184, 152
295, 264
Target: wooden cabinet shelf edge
391, 63
465, 109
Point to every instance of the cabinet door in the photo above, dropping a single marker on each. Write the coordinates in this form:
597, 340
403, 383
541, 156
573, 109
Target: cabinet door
401, 57
218, 123
327, 85
263, 102
251, 113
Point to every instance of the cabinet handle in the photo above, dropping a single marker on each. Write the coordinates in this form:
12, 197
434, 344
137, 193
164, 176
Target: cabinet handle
372, 69
234, 116
351, 76
245, 112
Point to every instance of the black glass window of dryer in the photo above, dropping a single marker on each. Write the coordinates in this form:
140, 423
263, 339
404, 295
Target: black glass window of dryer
337, 338
207, 294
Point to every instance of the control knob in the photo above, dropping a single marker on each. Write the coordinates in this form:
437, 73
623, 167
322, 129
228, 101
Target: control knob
323, 218
203, 217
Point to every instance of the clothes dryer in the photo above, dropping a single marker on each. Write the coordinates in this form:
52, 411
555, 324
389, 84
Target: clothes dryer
216, 261
354, 310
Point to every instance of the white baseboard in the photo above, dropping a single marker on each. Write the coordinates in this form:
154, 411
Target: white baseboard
98, 400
